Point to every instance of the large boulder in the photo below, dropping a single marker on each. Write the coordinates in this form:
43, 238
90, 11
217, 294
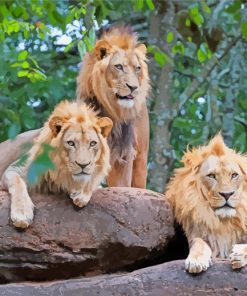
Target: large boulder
117, 230
161, 280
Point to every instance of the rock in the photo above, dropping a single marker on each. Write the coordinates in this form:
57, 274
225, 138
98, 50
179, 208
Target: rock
165, 279
119, 228
11, 149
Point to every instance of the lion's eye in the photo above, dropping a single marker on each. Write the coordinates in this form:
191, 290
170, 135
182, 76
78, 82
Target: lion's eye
71, 143
93, 143
119, 67
212, 176
234, 175
138, 68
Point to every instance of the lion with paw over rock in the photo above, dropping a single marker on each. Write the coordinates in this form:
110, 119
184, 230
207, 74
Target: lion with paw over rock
209, 198
81, 157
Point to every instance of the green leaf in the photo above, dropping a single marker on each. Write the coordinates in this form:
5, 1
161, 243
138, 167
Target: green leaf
22, 73
205, 7
160, 58
22, 55
234, 7
40, 165
201, 56
195, 15
187, 22
178, 48
244, 29
25, 65
13, 130
81, 48
170, 37
138, 4
150, 4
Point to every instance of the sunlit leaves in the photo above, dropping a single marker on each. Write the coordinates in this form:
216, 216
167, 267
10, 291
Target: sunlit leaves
22, 55
141, 4
170, 37
178, 48
195, 15
203, 53
150, 4
160, 56
244, 29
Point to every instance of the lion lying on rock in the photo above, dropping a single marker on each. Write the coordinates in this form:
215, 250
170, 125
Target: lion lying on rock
209, 198
81, 157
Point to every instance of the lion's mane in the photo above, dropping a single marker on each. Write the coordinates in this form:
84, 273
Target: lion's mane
192, 210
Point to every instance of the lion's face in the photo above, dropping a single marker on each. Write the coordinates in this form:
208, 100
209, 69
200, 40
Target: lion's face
82, 150
116, 74
80, 140
124, 75
222, 182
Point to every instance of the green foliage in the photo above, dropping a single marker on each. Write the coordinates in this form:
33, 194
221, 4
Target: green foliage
40, 165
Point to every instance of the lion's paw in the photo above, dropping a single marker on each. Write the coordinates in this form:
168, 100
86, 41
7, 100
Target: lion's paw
80, 199
198, 264
22, 215
238, 256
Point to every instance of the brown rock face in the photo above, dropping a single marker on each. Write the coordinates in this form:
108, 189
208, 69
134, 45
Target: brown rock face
118, 229
168, 279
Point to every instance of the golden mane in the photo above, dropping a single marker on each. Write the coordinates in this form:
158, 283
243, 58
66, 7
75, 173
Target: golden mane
60, 178
93, 81
191, 208
81, 158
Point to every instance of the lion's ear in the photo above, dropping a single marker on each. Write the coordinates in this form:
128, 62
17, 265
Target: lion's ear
105, 124
242, 163
142, 48
102, 49
55, 124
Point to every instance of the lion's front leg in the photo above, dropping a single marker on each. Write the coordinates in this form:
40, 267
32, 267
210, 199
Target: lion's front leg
21, 211
139, 174
238, 256
80, 198
121, 173
199, 258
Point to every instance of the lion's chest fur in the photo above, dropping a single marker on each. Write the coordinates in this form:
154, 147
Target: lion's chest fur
122, 137
220, 235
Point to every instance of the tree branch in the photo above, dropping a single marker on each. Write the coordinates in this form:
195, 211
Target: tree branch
197, 82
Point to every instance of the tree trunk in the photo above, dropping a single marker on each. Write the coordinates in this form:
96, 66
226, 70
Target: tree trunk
161, 150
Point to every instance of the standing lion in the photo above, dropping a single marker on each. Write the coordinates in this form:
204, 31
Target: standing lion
114, 80
209, 198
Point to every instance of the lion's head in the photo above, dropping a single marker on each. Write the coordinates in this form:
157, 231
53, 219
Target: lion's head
209, 194
79, 137
116, 74
222, 182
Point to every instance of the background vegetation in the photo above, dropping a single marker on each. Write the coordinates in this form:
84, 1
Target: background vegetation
197, 63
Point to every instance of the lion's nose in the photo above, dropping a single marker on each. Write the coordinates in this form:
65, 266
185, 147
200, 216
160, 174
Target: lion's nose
131, 87
226, 195
83, 166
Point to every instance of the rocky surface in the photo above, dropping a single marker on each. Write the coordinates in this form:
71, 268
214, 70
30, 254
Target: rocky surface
120, 228
166, 279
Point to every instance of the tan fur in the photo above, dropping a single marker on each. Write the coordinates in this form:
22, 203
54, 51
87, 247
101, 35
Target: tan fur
70, 123
100, 79
194, 193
